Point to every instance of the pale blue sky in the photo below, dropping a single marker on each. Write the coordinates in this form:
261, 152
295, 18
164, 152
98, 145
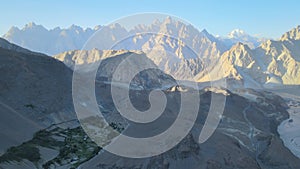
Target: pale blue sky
267, 18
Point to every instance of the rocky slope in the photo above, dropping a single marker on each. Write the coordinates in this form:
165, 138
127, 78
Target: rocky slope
86, 57
111, 61
246, 137
6, 45
35, 91
272, 63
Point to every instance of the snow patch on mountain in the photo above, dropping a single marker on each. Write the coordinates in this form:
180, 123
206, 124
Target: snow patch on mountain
238, 35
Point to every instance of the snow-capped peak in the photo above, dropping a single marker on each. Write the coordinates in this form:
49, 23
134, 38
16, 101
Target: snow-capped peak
236, 33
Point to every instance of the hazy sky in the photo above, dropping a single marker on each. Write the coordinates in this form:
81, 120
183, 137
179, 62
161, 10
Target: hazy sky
268, 18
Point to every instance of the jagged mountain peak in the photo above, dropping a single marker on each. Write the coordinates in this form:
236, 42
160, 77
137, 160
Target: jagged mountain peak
205, 33
168, 20
75, 27
116, 26
240, 46
267, 44
293, 34
33, 26
30, 25
240, 55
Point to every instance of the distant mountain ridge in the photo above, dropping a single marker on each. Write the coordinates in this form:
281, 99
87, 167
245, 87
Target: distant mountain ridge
38, 38
57, 40
255, 62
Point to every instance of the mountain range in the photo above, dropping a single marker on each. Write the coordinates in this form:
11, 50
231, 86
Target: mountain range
32, 36
192, 55
40, 129
272, 63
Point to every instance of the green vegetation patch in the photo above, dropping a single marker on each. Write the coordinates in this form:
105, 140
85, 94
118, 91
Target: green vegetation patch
74, 147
